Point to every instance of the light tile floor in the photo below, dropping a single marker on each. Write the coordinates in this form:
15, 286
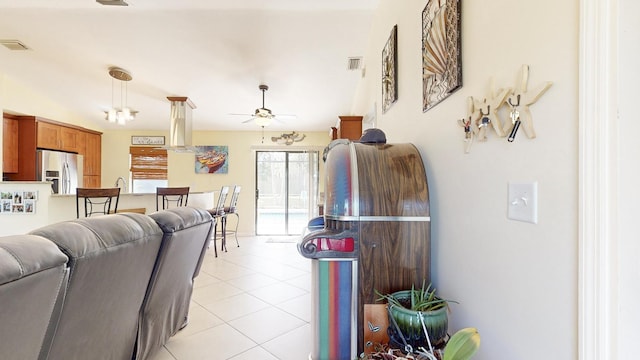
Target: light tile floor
252, 302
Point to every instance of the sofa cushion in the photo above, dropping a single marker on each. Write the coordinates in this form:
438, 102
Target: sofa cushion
186, 235
32, 277
111, 259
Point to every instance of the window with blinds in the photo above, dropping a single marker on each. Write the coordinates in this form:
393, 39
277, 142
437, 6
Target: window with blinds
148, 163
148, 168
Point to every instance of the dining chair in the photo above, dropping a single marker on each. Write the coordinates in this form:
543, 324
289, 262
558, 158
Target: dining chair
97, 200
218, 215
232, 209
179, 196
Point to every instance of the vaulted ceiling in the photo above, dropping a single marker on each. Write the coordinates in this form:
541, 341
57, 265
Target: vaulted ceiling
214, 52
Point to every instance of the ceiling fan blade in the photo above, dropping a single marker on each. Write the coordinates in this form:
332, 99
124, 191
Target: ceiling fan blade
283, 116
263, 116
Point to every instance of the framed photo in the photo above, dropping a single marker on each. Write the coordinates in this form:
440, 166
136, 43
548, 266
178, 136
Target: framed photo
31, 195
18, 197
212, 160
147, 140
441, 51
29, 206
5, 206
390, 71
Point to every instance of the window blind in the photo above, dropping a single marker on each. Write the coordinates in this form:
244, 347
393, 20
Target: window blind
148, 163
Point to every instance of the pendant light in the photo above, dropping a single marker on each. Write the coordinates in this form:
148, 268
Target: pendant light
122, 114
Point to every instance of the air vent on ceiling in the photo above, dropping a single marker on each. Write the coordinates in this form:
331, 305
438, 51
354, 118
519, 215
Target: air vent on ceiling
112, 2
14, 45
354, 63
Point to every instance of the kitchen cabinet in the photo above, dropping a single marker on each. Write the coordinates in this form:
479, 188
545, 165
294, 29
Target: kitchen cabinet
91, 181
348, 127
40, 133
57, 137
93, 155
48, 136
69, 139
10, 145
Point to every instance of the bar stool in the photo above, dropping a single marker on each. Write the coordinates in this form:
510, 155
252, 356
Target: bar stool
218, 216
177, 195
97, 196
232, 209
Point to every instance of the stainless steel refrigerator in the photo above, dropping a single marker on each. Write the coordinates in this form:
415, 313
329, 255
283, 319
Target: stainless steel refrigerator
63, 169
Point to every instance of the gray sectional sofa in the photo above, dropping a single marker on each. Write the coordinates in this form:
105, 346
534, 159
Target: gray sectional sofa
109, 287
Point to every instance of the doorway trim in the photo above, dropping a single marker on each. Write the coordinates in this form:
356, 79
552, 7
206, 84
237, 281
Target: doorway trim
598, 175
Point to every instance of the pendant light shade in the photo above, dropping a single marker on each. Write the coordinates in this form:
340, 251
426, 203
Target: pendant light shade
123, 114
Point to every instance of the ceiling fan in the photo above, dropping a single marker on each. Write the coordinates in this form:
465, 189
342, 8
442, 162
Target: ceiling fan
263, 116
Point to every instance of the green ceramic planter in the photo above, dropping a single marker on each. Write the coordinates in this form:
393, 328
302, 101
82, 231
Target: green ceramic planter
410, 326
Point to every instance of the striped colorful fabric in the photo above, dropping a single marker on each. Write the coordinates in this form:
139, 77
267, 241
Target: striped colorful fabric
338, 184
334, 310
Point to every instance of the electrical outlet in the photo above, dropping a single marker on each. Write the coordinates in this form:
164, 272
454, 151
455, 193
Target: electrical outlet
523, 202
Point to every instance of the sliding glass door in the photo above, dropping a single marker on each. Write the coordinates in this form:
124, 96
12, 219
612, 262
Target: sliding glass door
286, 193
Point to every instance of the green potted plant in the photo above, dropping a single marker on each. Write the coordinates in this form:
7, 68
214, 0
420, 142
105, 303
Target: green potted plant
415, 313
461, 346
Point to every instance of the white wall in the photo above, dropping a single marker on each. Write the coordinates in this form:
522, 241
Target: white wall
515, 281
18, 98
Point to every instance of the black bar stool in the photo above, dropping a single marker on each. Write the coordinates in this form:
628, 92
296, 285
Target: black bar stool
97, 196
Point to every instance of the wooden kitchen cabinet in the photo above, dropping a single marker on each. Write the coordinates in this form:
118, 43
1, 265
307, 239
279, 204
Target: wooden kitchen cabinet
47, 136
57, 137
91, 181
93, 155
69, 139
81, 142
349, 127
10, 133
40, 133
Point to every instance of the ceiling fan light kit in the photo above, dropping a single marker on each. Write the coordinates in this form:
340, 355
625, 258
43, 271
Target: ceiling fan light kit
262, 116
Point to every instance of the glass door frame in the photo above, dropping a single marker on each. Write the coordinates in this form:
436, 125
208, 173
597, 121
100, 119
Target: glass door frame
312, 194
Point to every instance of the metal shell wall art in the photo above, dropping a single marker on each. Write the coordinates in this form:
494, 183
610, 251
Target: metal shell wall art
441, 51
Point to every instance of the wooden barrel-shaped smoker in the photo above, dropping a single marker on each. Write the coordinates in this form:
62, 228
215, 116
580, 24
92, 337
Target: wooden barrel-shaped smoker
377, 219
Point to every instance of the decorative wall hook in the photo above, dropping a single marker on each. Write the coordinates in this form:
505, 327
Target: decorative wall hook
484, 114
483, 120
469, 125
492, 103
524, 99
515, 118
468, 133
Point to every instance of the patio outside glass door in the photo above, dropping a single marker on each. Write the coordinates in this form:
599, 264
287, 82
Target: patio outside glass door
286, 193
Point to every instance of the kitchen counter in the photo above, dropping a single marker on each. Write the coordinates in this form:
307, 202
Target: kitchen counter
46, 208
63, 207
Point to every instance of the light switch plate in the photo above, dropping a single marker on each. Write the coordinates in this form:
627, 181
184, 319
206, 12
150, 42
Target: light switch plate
522, 202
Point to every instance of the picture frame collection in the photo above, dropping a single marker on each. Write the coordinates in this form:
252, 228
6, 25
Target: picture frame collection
18, 202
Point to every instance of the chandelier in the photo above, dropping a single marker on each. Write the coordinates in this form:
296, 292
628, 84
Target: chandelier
122, 114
